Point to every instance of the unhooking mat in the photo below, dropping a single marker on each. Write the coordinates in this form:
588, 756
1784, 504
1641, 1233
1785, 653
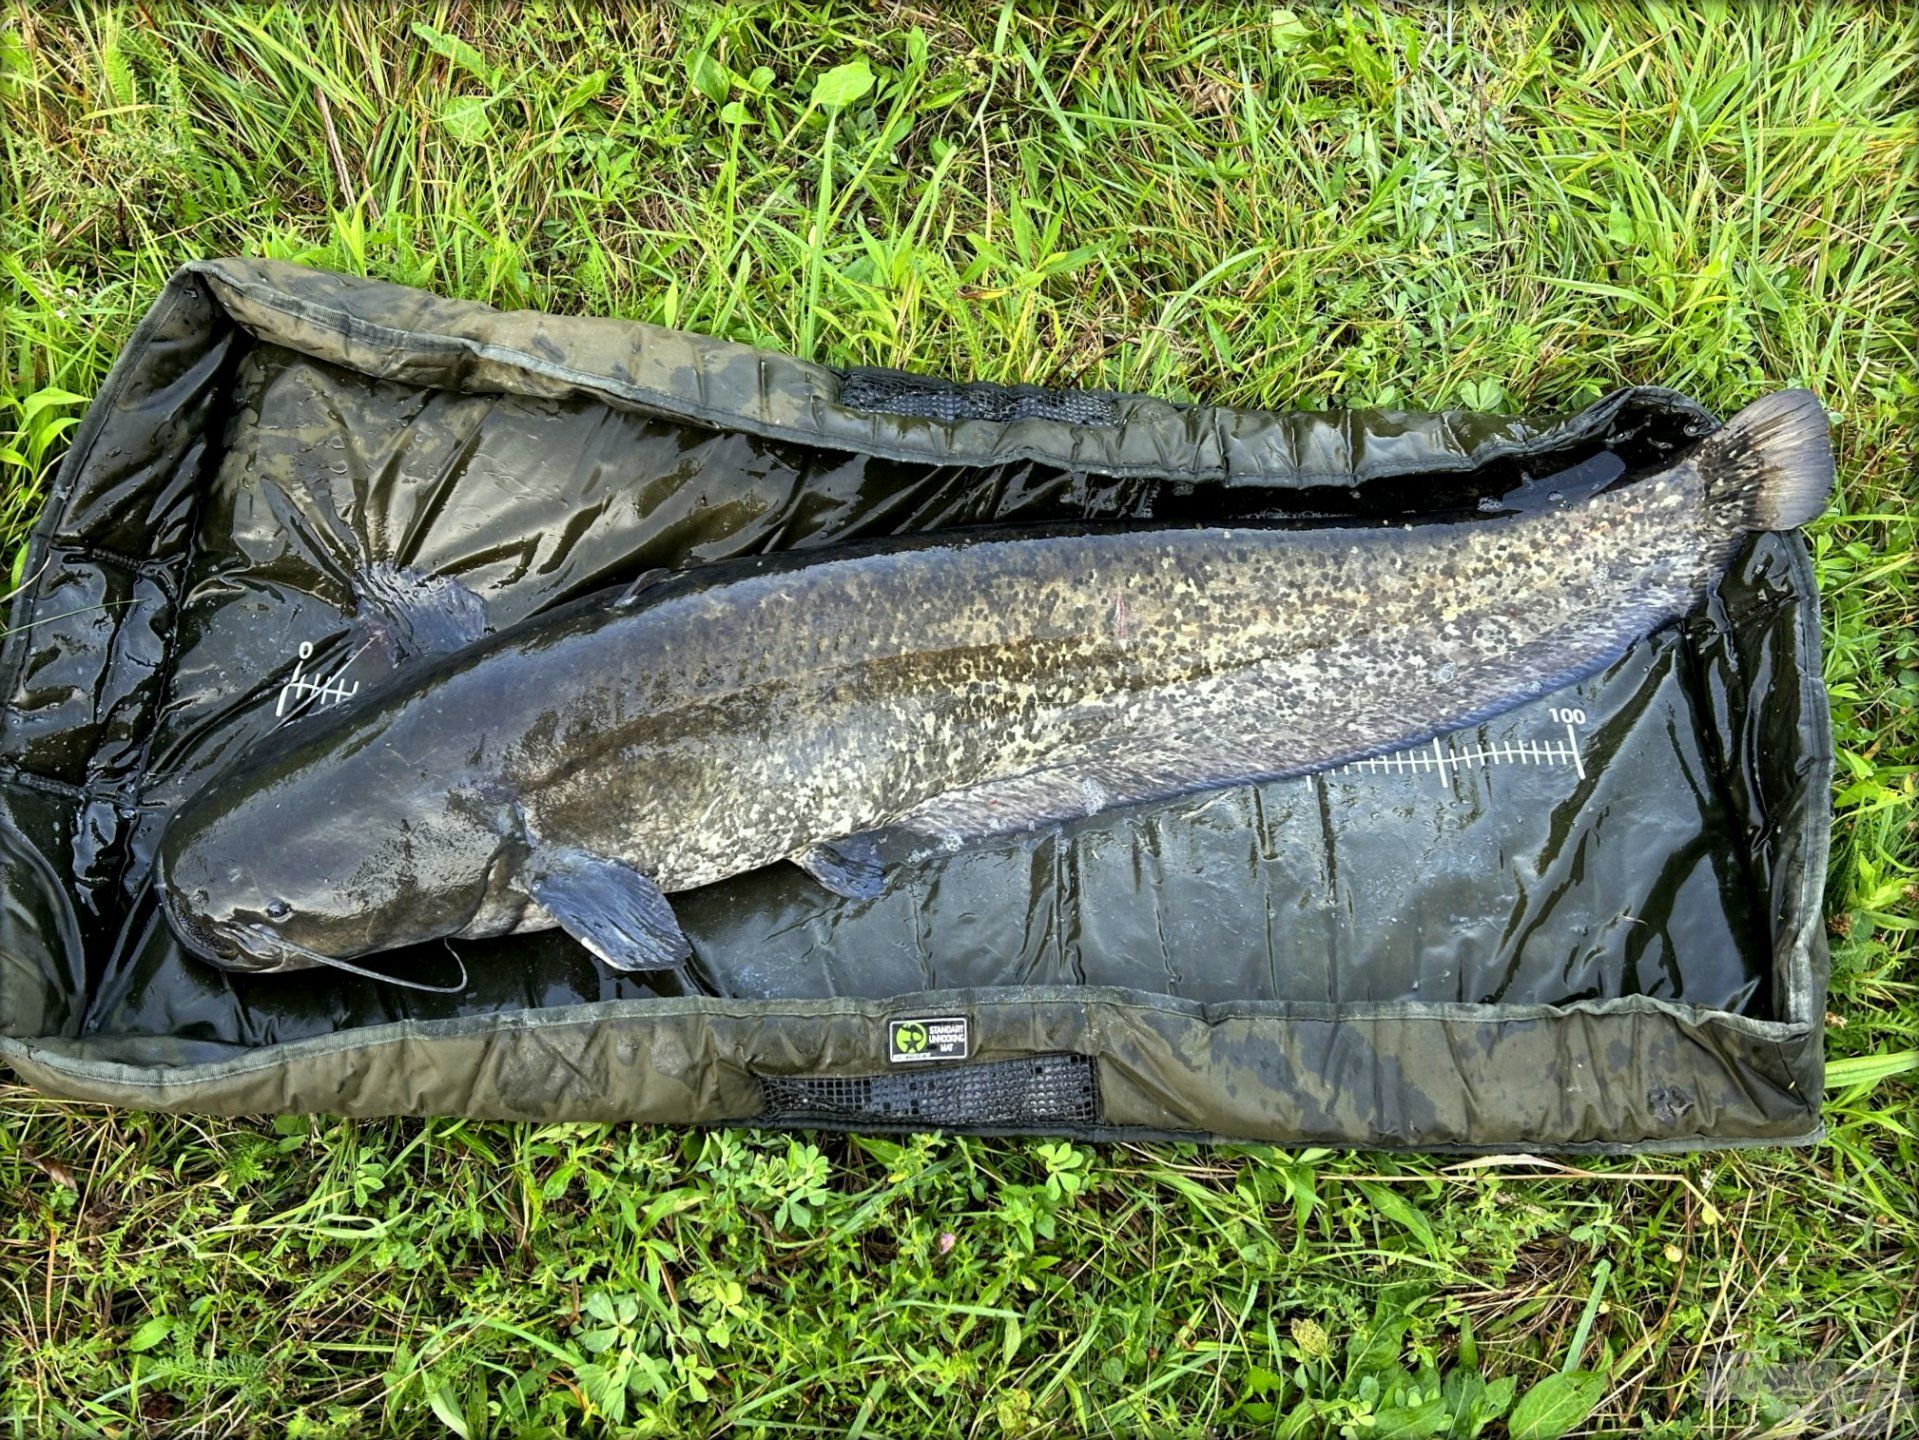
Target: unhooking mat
1592, 923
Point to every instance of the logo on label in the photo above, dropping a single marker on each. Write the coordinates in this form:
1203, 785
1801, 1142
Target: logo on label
946, 1038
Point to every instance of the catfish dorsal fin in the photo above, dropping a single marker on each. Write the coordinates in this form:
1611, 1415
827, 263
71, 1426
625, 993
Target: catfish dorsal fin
639, 585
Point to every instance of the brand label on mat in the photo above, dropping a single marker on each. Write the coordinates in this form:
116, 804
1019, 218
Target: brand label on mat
947, 1038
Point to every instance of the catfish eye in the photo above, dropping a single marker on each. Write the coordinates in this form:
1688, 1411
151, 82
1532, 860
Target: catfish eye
278, 910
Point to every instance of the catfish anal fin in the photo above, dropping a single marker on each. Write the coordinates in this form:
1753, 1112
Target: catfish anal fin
609, 907
1027, 802
850, 867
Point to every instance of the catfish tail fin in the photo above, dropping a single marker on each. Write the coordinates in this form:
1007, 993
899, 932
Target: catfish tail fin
1770, 466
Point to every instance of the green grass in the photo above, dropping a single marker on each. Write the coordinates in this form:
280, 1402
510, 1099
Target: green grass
1504, 207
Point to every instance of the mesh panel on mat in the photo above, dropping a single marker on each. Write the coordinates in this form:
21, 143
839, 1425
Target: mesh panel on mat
896, 392
1039, 1090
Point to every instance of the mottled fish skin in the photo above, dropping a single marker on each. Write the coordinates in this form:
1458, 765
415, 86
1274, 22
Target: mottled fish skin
952, 688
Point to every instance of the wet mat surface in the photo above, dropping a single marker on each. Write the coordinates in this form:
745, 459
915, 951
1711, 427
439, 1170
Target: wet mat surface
1515, 881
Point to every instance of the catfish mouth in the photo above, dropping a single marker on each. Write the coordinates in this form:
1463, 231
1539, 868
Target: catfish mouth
198, 934
231, 946
255, 948
241, 941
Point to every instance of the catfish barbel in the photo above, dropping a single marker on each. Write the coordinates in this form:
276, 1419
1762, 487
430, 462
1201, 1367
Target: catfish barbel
574, 768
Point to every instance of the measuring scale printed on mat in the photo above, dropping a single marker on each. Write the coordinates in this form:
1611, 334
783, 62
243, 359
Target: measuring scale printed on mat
300, 689
1444, 759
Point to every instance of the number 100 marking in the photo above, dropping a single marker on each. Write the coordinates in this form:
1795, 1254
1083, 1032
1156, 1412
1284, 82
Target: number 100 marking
1567, 715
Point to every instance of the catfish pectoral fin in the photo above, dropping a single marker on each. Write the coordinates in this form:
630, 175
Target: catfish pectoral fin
850, 867
411, 613
609, 907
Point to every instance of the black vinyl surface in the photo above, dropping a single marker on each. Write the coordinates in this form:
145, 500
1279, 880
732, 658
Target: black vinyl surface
1532, 877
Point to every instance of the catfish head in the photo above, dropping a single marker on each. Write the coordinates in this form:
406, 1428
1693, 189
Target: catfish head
340, 846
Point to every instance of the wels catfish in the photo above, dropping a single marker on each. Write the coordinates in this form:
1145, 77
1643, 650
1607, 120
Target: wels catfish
574, 769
